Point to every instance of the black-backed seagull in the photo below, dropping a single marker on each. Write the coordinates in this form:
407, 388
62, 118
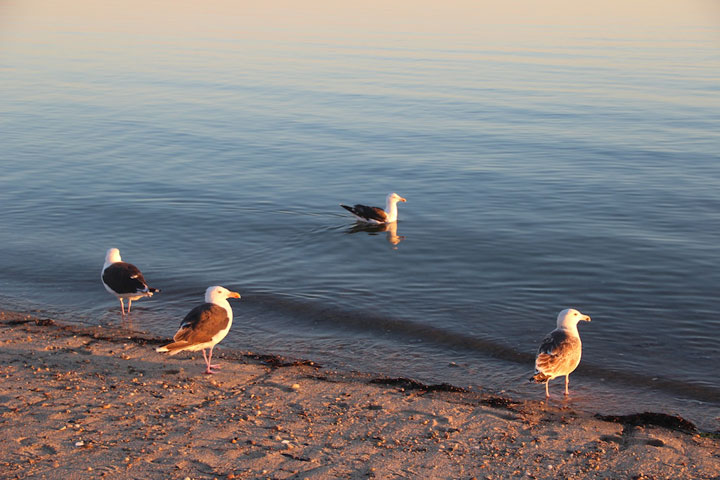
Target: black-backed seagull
375, 214
560, 351
124, 280
204, 326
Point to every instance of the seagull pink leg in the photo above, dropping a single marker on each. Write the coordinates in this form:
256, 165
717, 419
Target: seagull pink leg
210, 366
547, 392
567, 382
122, 306
208, 371
129, 304
210, 359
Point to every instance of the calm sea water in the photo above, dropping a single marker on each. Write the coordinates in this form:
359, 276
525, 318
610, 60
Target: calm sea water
545, 166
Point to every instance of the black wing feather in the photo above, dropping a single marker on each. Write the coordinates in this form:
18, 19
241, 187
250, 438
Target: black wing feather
369, 213
124, 277
201, 323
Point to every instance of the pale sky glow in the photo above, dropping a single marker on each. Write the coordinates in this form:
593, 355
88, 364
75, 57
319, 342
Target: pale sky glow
138, 28
382, 15
133, 34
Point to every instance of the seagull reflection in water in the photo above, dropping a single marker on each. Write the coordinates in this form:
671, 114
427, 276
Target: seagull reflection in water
373, 229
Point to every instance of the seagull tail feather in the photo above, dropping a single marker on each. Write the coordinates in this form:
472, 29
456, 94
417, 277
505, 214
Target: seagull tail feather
539, 377
173, 348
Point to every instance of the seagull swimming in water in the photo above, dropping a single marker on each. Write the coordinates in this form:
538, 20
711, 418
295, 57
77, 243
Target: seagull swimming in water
560, 351
124, 280
375, 214
204, 326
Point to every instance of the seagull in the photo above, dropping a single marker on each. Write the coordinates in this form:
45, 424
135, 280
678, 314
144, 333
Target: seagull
375, 214
124, 280
204, 326
560, 351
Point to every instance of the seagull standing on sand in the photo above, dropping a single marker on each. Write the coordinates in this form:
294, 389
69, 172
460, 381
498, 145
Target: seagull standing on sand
204, 326
560, 351
124, 280
375, 214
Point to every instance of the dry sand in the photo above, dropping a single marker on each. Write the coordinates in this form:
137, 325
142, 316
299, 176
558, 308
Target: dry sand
97, 402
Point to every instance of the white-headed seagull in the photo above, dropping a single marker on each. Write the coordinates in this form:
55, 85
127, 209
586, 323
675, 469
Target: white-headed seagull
124, 280
560, 351
376, 214
204, 326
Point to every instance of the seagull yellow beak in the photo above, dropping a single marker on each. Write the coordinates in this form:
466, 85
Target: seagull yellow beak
587, 318
234, 295
402, 199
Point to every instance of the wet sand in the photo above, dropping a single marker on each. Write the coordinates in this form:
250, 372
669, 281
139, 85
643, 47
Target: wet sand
98, 402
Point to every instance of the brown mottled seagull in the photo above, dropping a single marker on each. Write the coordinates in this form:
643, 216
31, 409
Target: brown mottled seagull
124, 280
560, 351
376, 214
204, 326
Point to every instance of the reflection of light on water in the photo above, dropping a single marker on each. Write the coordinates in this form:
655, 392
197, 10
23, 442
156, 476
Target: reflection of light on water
373, 229
392, 237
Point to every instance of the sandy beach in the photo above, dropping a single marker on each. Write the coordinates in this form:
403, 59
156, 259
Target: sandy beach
98, 402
